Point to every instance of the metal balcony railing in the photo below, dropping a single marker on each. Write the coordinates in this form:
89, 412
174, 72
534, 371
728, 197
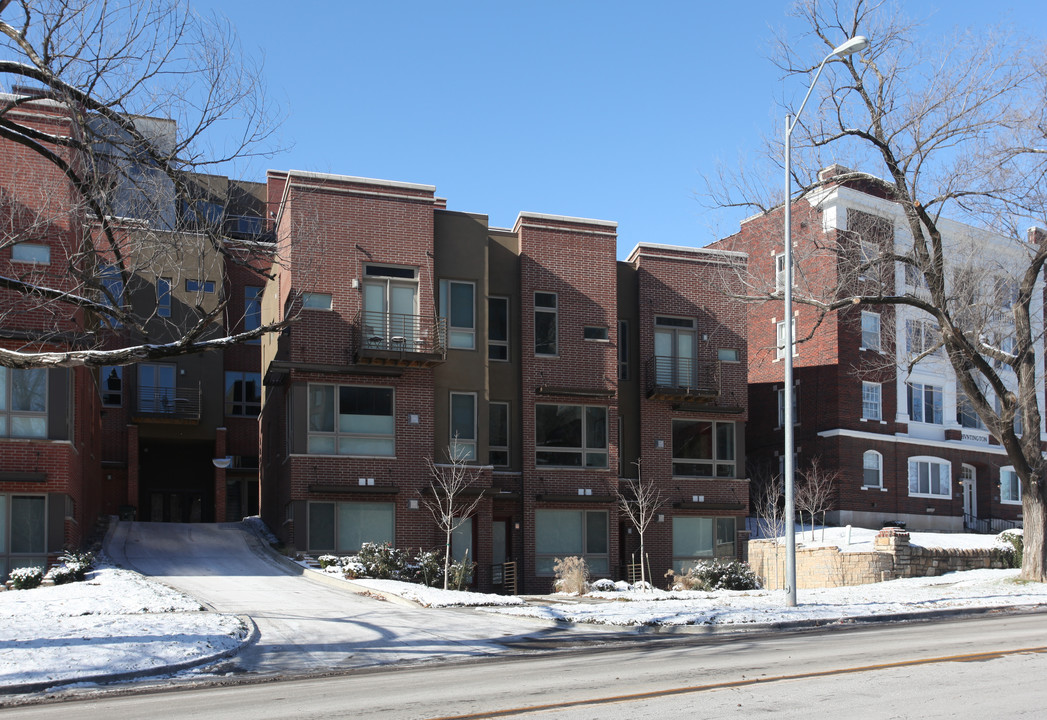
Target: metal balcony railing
168, 402
391, 337
682, 377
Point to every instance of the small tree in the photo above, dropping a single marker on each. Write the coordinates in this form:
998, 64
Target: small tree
447, 500
639, 501
814, 494
768, 500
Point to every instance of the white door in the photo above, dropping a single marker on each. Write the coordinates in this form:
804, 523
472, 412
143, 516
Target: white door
968, 478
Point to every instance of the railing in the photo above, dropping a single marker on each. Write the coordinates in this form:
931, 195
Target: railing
168, 402
398, 333
988, 526
683, 376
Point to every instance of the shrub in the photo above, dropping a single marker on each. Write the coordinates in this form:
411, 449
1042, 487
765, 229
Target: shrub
62, 574
26, 578
1016, 540
327, 561
427, 568
460, 574
572, 575
383, 561
78, 562
604, 585
716, 575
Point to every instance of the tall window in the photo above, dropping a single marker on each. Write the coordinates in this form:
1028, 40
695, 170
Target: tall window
570, 435
930, 477
871, 331
463, 426
779, 272
872, 408
243, 394
921, 336
779, 352
23, 403
113, 282
163, 297
872, 469
351, 420
965, 412
23, 532
111, 378
781, 406
702, 448
1010, 487
563, 533
156, 388
623, 350
546, 323
457, 307
390, 307
699, 538
674, 351
925, 403
498, 434
498, 328
343, 527
252, 309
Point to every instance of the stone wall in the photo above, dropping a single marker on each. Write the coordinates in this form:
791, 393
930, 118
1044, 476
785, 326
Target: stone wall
892, 558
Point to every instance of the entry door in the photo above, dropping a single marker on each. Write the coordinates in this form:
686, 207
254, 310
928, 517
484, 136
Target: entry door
968, 478
156, 388
674, 355
390, 309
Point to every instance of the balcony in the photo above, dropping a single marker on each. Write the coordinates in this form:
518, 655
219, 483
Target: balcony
684, 379
168, 404
402, 340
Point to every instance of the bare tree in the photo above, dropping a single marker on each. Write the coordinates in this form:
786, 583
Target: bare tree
121, 111
449, 500
639, 501
814, 494
938, 128
768, 505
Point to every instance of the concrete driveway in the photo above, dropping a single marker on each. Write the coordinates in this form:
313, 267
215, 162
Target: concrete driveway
305, 625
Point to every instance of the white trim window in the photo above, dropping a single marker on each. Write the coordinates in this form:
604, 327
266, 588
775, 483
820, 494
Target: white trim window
930, 477
872, 405
546, 323
779, 350
351, 420
458, 307
925, 403
779, 272
703, 448
570, 435
921, 336
872, 469
870, 331
1010, 486
462, 428
23, 402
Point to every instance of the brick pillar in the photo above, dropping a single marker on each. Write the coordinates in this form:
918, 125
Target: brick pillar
132, 469
219, 476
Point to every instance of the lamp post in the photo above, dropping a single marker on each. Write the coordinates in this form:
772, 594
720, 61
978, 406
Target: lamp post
855, 44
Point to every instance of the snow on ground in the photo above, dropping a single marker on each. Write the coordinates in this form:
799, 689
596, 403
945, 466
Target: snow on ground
116, 621
861, 539
437, 597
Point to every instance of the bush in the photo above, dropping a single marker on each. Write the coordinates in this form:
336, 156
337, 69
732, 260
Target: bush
604, 585
327, 561
62, 574
79, 563
572, 575
427, 568
383, 561
26, 578
1016, 540
716, 575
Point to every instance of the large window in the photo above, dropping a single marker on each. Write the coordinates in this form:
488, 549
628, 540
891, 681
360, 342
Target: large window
156, 388
498, 328
111, 378
457, 307
546, 323
703, 448
921, 336
1010, 487
23, 403
701, 538
925, 403
498, 434
571, 435
351, 420
872, 469
343, 527
243, 394
965, 412
872, 407
23, 532
930, 477
565, 533
390, 307
462, 441
870, 331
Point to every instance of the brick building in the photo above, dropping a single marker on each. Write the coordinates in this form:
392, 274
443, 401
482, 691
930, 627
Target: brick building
904, 443
554, 368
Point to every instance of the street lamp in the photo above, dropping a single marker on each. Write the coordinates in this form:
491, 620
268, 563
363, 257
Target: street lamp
855, 44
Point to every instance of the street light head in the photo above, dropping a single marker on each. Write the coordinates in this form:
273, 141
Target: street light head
855, 44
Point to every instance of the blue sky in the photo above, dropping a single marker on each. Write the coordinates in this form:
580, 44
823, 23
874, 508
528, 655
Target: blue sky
609, 110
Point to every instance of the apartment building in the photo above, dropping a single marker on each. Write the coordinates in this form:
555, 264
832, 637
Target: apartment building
552, 368
877, 412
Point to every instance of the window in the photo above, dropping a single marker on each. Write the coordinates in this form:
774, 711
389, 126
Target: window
497, 328
781, 406
623, 350
869, 252
390, 315
343, 527
965, 412
702, 448
699, 538
930, 477
1010, 487
359, 423
779, 352
195, 286
23, 532
675, 348
872, 469
462, 441
498, 434
914, 278
570, 435
113, 282
456, 306
925, 403
23, 403
243, 394
591, 332
779, 272
316, 301
728, 355
871, 331
872, 408
31, 253
112, 385
252, 309
546, 322
163, 297
921, 336
563, 533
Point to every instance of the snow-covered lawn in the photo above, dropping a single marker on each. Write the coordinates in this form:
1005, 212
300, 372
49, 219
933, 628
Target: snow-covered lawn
114, 622
861, 539
437, 597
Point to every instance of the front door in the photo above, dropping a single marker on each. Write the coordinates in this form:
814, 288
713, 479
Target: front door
968, 479
674, 352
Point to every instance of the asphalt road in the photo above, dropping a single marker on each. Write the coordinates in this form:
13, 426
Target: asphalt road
985, 667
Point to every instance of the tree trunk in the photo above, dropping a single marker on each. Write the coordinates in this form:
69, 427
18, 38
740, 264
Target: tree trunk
447, 558
642, 575
1034, 515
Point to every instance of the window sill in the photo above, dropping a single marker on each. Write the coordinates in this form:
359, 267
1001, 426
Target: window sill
875, 487
1014, 503
872, 420
344, 457
930, 497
